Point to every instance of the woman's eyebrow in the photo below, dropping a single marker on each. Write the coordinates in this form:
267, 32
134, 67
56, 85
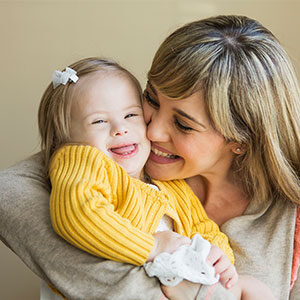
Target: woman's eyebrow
185, 115
179, 111
152, 88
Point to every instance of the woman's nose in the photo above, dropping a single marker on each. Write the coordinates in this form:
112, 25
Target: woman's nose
157, 129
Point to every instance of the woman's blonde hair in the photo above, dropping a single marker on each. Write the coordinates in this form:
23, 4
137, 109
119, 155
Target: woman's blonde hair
55, 106
251, 92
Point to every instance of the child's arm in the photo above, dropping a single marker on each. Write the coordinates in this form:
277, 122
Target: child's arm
167, 241
85, 209
249, 287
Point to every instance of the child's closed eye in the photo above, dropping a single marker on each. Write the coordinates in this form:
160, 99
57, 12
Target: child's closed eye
131, 115
98, 121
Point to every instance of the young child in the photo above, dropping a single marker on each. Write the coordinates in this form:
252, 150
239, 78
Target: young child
95, 147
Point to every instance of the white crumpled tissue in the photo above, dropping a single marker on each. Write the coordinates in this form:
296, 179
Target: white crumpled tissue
187, 262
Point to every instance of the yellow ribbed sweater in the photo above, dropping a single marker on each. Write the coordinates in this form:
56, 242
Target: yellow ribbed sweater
96, 206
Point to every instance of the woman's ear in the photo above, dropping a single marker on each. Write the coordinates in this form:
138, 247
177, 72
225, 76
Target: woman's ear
238, 148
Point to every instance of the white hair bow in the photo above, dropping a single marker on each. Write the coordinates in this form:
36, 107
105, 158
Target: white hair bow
59, 77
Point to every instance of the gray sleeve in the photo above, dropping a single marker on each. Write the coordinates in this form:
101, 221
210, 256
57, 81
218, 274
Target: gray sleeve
295, 292
26, 229
214, 292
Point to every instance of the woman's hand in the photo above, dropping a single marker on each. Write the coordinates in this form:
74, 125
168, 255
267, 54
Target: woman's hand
185, 290
223, 267
167, 241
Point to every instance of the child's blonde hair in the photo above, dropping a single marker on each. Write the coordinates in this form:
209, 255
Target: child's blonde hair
251, 92
55, 106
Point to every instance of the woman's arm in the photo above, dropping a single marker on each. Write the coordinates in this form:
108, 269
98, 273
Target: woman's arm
194, 291
26, 229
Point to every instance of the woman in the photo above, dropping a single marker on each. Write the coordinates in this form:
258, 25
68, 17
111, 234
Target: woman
222, 105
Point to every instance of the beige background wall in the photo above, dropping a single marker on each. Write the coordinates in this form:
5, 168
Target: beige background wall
37, 37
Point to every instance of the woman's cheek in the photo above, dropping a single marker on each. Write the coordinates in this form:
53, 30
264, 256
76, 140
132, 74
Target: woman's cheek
186, 146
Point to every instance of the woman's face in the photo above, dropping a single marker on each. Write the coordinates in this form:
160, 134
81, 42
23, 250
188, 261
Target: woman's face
184, 144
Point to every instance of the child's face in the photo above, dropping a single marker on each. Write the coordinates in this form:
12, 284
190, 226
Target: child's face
106, 113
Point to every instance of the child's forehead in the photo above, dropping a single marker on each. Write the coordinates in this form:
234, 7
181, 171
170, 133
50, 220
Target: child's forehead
102, 77
89, 82
99, 88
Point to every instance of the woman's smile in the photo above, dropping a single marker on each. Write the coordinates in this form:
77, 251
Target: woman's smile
162, 156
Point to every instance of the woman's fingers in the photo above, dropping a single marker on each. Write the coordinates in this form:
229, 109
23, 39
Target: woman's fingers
184, 290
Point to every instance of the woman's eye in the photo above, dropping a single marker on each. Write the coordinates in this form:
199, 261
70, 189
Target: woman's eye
130, 116
181, 126
150, 100
98, 122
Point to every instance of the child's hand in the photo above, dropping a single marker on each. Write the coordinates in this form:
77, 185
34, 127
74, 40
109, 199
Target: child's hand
167, 241
223, 267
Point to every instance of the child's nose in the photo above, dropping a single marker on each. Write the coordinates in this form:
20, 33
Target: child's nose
121, 132
119, 129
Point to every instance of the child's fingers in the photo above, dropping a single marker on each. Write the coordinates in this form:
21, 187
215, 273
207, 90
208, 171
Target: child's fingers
214, 255
222, 264
229, 277
232, 281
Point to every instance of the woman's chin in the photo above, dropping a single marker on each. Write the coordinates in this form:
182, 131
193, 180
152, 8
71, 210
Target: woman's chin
160, 172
